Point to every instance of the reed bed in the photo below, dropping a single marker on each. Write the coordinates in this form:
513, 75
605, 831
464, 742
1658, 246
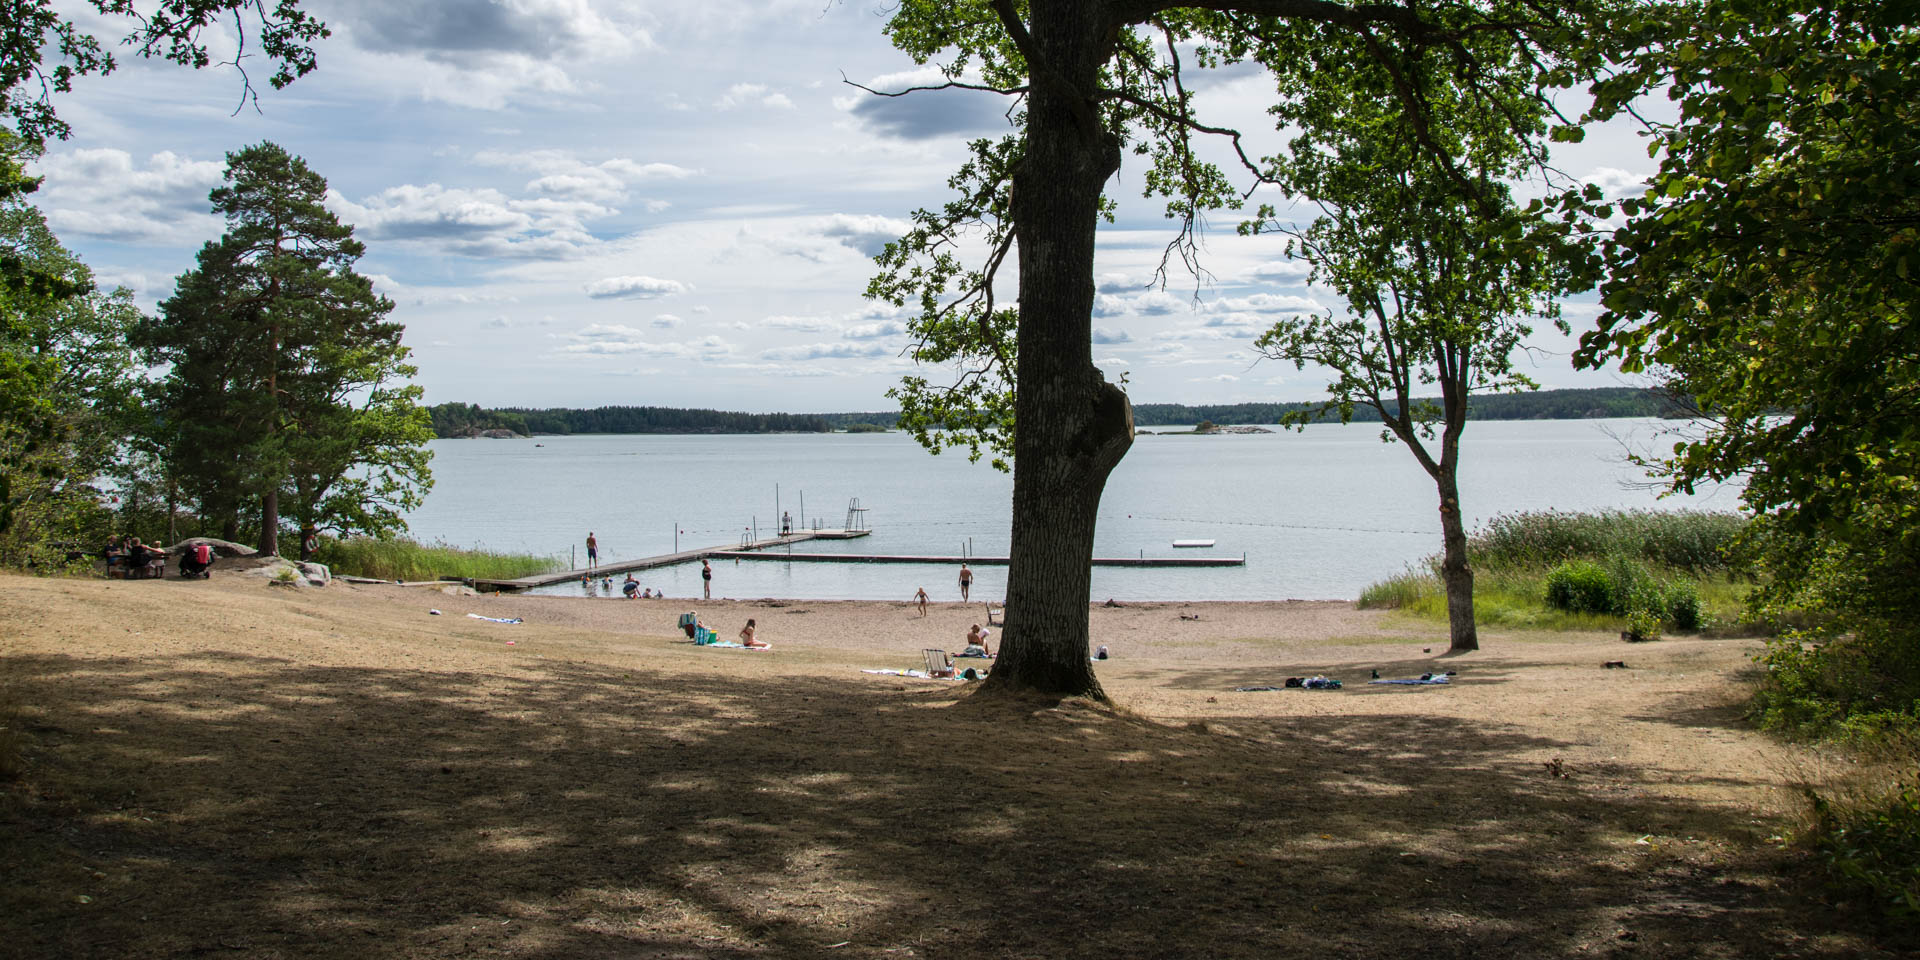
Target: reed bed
1685, 552
404, 559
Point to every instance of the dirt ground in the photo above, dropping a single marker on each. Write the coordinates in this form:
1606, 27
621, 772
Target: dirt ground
237, 768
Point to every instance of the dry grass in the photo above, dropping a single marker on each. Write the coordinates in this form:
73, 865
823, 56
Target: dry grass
592, 795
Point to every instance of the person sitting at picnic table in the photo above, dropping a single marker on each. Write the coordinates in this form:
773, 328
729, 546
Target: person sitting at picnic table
747, 638
977, 643
145, 560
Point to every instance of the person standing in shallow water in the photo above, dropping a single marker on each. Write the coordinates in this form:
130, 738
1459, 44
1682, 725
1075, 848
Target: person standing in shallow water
593, 549
706, 580
966, 581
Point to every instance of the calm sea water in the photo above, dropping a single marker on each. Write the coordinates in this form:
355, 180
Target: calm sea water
1318, 514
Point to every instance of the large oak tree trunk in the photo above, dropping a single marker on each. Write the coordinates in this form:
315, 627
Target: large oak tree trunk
1072, 426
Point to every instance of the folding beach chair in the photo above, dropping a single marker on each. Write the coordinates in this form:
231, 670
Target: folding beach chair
992, 619
939, 663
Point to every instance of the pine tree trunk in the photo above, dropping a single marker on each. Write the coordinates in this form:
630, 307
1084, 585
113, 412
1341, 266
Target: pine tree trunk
1071, 426
270, 523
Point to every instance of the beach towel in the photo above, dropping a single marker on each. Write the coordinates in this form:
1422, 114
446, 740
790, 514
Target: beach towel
496, 619
921, 674
1416, 681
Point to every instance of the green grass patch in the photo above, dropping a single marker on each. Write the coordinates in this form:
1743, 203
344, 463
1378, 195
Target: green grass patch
404, 559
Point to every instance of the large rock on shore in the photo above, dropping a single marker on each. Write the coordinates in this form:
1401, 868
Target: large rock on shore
221, 548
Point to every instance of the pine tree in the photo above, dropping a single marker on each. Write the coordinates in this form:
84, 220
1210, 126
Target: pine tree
281, 358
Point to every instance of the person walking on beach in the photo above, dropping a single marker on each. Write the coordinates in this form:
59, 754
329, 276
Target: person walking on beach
920, 598
593, 549
966, 580
706, 579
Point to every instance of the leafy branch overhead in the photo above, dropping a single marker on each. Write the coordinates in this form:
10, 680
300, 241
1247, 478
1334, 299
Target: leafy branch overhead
1421, 69
43, 50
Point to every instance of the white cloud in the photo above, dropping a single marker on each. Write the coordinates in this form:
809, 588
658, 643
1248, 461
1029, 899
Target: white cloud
1617, 184
749, 94
1266, 303
666, 321
1288, 270
633, 288
802, 324
867, 234
829, 351
104, 193
875, 331
1104, 335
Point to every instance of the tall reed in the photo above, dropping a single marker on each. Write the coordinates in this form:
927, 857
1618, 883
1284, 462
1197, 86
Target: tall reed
405, 559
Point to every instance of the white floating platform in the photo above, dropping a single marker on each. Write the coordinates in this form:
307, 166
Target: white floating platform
1193, 543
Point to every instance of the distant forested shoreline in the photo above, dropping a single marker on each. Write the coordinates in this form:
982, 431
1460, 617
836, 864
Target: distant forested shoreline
472, 420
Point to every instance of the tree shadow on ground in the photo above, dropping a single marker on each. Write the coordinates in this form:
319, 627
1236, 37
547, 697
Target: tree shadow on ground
274, 809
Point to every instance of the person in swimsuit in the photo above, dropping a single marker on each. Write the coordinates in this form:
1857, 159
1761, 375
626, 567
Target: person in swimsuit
706, 580
593, 549
966, 581
920, 598
747, 638
977, 643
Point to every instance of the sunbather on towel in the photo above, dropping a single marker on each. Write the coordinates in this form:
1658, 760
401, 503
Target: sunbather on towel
747, 638
976, 643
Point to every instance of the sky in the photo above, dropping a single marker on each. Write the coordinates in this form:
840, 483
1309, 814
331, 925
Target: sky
648, 202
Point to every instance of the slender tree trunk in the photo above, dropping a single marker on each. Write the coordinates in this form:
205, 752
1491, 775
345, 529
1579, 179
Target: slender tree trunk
1454, 569
1071, 426
270, 502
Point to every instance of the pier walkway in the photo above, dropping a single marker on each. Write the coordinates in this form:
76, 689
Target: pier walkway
761, 550
663, 560
978, 561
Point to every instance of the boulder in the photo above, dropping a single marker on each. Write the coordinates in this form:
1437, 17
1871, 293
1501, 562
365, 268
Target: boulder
221, 548
293, 572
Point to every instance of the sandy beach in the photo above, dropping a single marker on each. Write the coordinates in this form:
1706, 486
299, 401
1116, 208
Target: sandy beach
348, 774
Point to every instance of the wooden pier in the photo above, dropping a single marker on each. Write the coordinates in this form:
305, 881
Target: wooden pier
762, 550
663, 560
978, 561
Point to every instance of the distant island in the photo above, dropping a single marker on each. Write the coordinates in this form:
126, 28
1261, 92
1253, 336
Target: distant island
472, 420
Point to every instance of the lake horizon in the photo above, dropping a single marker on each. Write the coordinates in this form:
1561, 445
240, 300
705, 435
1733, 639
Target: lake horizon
1319, 514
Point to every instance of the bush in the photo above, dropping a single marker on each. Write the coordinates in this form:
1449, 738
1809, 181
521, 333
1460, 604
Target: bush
1683, 605
1643, 625
1579, 586
1860, 687
1871, 848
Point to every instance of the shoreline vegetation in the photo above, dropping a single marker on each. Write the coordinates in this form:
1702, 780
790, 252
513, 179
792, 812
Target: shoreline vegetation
1637, 571
405, 559
458, 420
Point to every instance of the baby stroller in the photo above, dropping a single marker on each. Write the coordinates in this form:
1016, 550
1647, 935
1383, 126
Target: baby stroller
197, 562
